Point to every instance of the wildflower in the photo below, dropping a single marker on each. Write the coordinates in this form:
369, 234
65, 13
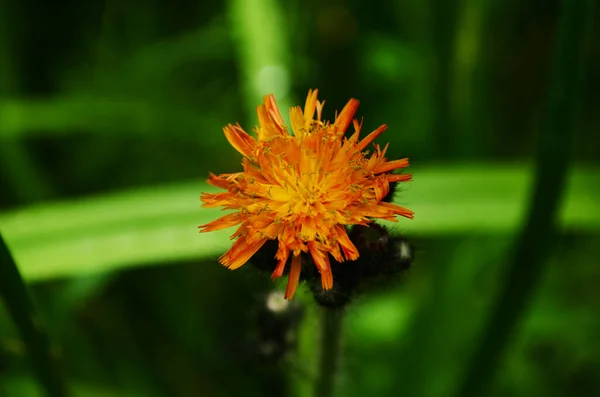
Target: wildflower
303, 189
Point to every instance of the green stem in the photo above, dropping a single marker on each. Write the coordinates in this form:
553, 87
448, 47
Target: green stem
332, 321
539, 233
20, 307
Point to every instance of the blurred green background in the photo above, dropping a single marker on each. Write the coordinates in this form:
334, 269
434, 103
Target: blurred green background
111, 117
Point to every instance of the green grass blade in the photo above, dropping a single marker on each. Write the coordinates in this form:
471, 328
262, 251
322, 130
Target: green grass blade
540, 232
20, 307
159, 224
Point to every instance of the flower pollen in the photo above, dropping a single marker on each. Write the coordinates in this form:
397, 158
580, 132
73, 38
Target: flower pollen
302, 189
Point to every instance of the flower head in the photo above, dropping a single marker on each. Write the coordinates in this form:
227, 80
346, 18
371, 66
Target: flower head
303, 189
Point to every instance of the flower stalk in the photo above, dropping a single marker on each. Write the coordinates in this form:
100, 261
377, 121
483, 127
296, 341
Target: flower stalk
331, 337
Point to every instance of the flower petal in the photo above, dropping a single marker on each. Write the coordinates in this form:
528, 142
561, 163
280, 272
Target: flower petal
398, 177
345, 117
283, 253
398, 210
240, 140
211, 200
274, 113
309, 108
218, 181
326, 279
293, 277
371, 137
391, 165
269, 118
350, 250
297, 121
221, 223
240, 252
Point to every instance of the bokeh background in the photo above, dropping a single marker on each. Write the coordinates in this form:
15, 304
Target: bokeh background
111, 117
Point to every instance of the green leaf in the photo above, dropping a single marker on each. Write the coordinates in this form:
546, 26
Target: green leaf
159, 225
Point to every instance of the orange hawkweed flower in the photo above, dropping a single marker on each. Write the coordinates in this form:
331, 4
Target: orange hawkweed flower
302, 189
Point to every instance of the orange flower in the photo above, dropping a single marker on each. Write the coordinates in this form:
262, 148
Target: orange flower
302, 189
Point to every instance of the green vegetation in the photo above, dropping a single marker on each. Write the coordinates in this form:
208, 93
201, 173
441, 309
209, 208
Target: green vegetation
111, 118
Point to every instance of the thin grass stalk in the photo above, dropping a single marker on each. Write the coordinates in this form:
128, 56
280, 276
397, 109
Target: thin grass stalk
28, 324
540, 231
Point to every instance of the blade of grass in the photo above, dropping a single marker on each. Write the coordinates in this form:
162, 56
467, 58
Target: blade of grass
72, 114
20, 307
159, 224
541, 228
260, 33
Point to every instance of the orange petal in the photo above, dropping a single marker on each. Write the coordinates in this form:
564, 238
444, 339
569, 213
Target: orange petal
274, 112
371, 137
381, 186
321, 260
391, 165
240, 140
350, 250
271, 124
336, 253
240, 231
357, 128
221, 223
283, 252
320, 109
297, 121
218, 181
309, 108
398, 210
398, 177
239, 253
373, 211
345, 117
293, 277
211, 200
319, 257
326, 279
